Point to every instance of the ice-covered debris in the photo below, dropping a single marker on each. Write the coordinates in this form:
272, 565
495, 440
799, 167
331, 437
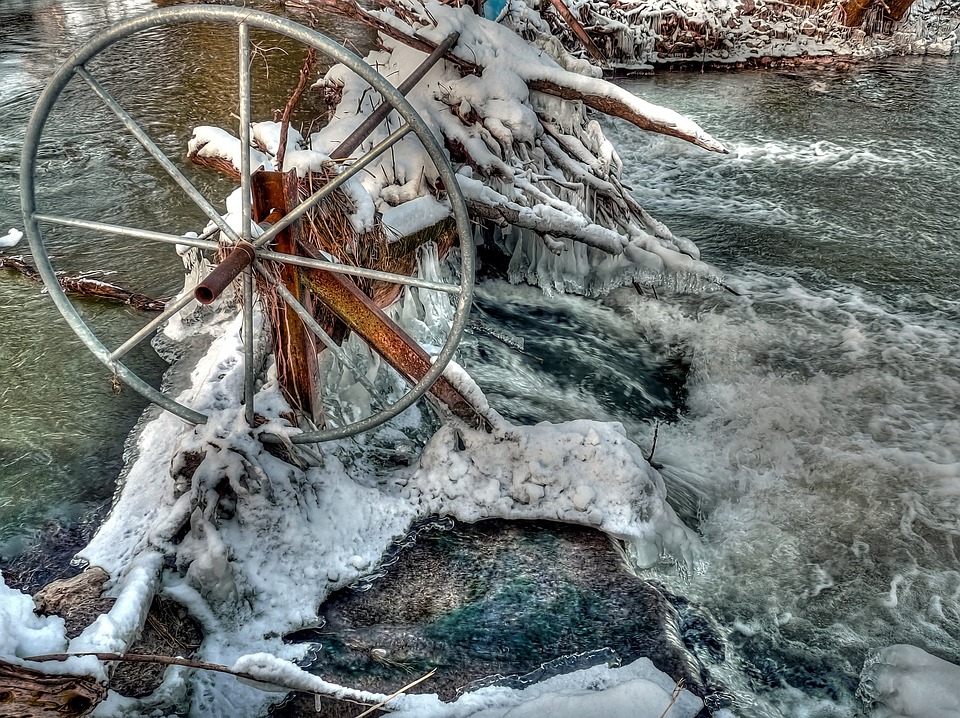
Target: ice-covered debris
637, 690
413, 215
904, 681
116, 630
11, 238
304, 161
213, 143
511, 59
274, 671
641, 33
267, 136
530, 160
582, 472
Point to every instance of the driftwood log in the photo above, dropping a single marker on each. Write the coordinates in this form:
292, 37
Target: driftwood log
85, 285
25, 693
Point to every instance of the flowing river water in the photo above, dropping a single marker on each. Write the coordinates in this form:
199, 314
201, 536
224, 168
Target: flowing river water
810, 429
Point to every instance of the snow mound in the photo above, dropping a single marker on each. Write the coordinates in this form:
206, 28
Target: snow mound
903, 681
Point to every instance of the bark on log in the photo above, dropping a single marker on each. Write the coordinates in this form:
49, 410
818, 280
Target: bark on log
896, 9
274, 194
87, 286
854, 10
561, 7
25, 693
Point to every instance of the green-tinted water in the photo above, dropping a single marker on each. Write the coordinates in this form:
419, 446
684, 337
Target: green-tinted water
61, 448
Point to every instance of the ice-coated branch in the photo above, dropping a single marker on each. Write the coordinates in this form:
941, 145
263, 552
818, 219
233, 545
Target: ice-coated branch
513, 114
596, 93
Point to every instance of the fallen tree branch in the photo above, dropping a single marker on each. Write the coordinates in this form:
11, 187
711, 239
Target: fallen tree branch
615, 103
87, 286
309, 62
147, 658
364, 698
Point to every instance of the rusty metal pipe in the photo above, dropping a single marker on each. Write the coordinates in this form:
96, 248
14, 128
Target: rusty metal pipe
229, 269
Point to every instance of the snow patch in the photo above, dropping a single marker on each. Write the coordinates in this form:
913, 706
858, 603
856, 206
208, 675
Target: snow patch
11, 238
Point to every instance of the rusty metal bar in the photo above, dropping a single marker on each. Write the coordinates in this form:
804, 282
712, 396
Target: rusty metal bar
354, 169
385, 336
322, 335
272, 194
220, 277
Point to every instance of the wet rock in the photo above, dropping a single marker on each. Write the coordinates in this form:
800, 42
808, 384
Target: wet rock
498, 602
77, 600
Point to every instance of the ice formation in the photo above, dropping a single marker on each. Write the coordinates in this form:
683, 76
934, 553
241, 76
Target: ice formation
904, 681
643, 33
11, 238
249, 568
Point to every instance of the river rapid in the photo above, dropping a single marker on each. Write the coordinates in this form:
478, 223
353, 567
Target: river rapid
807, 428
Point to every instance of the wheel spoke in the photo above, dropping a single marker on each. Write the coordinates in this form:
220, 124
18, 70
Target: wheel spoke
246, 204
359, 272
127, 231
150, 328
249, 376
246, 201
332, 185
287, 296
144, 139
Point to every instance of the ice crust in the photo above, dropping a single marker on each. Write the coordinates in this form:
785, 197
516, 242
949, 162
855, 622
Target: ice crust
11, 238
904, 681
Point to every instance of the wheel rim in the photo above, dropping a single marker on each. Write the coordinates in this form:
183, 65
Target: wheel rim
244, 19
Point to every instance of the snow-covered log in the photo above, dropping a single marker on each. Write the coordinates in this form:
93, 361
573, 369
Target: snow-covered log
514, 114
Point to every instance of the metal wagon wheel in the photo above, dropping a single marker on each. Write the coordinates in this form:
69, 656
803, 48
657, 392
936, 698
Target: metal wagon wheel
256, 248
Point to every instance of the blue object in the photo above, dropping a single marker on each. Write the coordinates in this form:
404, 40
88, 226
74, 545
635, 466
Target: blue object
493, 8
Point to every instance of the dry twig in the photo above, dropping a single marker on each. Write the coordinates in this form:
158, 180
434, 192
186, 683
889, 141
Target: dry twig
309, 62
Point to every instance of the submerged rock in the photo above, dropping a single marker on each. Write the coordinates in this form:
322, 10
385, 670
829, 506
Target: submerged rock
496, 603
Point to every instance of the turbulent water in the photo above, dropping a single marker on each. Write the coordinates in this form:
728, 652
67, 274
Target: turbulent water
818, 450
807, 428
